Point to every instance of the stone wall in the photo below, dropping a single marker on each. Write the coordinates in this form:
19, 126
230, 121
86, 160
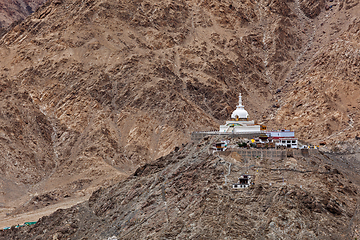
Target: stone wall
275, 154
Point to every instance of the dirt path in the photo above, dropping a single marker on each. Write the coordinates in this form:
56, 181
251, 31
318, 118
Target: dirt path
34, 216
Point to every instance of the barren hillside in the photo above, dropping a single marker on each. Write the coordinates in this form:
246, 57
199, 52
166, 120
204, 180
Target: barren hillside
91, 90
322, 101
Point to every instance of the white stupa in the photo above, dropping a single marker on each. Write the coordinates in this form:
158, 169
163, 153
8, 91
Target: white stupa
239, 122
240, 113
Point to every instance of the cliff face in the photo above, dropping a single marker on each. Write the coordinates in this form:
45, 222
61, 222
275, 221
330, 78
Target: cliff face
187, 194
91, 90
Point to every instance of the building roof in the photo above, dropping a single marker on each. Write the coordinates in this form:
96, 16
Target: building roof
285, 138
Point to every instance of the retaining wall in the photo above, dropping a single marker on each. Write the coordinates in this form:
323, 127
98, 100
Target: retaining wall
275, 154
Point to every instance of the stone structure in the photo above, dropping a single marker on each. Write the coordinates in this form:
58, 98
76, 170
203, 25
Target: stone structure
274, 154
240, 122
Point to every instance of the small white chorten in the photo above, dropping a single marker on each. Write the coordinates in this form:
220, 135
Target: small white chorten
240, 121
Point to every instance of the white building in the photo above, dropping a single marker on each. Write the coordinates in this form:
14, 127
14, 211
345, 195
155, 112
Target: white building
281, 134
244, 182
240, 122
285, 138
288, 142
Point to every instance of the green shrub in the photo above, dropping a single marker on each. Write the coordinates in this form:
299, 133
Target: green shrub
242, 145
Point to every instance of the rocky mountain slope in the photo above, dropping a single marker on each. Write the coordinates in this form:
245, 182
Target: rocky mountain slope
91, 90
118, 84
322, 102
13, 11
187, 195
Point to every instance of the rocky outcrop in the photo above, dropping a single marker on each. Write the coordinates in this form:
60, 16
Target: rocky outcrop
312, 8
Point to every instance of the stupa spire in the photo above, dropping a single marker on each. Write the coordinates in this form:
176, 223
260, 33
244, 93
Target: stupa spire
240, 100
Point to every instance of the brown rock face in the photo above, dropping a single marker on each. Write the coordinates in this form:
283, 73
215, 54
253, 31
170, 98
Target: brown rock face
312, 8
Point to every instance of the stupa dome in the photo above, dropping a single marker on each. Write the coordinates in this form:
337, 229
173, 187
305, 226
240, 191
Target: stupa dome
240, 112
